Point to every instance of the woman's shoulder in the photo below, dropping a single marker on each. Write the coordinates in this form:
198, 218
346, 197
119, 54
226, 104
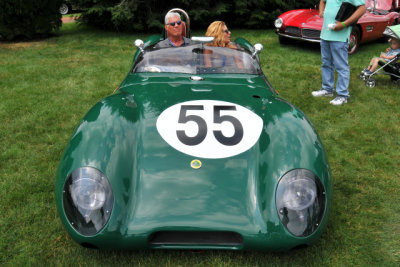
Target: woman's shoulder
233, 45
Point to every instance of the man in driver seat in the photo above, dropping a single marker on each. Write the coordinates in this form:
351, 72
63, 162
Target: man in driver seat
173, 27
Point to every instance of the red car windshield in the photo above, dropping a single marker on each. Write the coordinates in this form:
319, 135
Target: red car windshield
380, 4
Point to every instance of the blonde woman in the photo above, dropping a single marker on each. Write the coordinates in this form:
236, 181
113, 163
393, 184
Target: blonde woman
222, 38
221, 34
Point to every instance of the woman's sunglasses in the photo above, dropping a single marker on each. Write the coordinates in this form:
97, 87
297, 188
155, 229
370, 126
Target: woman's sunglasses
173, 23
227, 31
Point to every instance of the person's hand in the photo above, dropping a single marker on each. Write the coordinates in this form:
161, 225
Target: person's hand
387, 49
338, 26
321, 14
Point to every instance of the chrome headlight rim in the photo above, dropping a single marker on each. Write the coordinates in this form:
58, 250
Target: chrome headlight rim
301, 219
278, 23
87, 200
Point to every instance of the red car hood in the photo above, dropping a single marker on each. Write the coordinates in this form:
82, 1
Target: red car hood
304, 18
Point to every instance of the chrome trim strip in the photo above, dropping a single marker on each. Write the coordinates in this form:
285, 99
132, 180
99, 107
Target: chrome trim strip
299, 38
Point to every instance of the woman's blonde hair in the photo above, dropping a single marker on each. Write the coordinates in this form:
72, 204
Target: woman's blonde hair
216, 30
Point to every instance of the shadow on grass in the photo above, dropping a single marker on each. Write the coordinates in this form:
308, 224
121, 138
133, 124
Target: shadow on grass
298, 45
315, 47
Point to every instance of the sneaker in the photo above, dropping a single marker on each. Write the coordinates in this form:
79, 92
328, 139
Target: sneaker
367, 72
321, 92
364, 70
339, 100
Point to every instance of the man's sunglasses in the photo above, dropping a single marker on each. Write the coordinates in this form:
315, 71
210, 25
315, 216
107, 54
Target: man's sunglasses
173, 23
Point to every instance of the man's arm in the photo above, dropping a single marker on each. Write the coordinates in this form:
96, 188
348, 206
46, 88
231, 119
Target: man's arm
356, 15
353, 18
321, 8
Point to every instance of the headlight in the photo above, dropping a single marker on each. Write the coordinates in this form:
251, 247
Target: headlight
87, 200
300, 202
278, 23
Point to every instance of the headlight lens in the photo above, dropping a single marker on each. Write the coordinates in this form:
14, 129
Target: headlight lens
88, 194
300, 202
278, 23
87, 200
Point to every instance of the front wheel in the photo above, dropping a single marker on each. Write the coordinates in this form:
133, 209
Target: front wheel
64, 9
370, 83
354, 40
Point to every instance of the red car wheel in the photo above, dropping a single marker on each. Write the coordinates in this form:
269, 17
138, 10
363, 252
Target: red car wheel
354, 41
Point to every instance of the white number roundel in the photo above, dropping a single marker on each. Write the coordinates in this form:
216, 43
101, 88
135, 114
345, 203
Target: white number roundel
209, 128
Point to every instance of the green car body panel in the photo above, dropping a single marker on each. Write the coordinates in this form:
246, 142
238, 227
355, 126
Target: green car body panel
156, 190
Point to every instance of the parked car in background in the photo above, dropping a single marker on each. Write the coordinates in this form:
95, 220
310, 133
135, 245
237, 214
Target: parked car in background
67, 7
306, 25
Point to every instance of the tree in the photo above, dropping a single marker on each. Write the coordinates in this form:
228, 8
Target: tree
28, 18
141, 15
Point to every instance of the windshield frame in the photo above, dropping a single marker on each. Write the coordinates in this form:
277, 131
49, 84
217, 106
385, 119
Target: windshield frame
192, 59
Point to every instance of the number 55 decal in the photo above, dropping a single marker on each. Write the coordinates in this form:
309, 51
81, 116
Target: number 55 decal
209, 128
202, 126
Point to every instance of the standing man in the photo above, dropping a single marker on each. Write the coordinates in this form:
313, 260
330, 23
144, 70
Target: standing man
173, 27
334, 49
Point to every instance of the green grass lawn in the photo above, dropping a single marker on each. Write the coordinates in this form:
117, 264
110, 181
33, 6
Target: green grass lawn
47, 86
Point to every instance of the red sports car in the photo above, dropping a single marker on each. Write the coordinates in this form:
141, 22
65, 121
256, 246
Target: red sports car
305, 24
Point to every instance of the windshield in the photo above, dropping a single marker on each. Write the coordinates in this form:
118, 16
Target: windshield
197, 59
380, 4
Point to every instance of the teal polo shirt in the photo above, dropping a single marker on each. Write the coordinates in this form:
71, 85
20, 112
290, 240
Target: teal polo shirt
331, 9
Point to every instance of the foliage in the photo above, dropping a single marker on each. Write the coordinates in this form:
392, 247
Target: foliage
28, 18
140, 15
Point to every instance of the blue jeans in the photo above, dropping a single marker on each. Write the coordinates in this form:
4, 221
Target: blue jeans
335, 56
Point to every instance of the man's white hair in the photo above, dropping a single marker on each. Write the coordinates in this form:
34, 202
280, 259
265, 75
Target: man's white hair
171, 15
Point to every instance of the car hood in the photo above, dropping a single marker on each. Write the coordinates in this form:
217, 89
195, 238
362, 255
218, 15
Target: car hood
156, 188
304, 18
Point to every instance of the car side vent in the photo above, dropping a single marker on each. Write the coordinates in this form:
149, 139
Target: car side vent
195, 238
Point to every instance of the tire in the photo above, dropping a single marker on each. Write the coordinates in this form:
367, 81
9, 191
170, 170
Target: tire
64, 9
354, 40
370, 82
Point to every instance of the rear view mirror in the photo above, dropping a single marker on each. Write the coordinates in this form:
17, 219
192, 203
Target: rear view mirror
139, 44
257, 49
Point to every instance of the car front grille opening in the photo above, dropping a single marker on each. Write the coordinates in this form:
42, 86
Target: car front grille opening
293, 31
88, 245
300, 247
312, 34
219, 238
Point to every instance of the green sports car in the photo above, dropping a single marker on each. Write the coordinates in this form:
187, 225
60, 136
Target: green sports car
195, 150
